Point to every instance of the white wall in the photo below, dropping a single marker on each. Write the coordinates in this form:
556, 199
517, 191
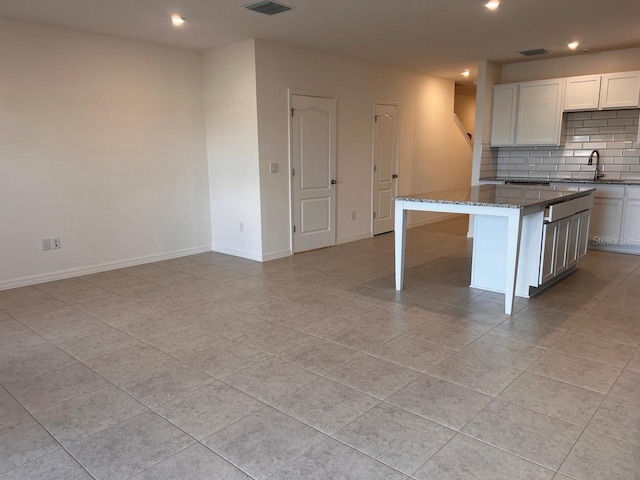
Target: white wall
232, 149
580, 64
433, 153
102, 144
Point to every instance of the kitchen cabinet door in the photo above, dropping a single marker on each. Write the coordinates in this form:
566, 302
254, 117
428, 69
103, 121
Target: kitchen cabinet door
572, 240
503, 126
539, 118
620, 90
583, 235
606, 220
631, 222
561, 246
582, 93
549, 233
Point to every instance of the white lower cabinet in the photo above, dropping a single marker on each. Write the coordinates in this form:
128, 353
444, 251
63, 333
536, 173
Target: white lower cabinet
583, 234
564, 243
614, 221
562, 239
573, 239
547, 263
630, 234
606, 220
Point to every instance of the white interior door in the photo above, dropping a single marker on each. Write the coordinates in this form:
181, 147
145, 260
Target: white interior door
313, 156
385, 162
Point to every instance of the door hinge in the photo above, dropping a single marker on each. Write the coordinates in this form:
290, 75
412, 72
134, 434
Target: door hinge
374, 214
293, 172
375, 118
375, 168
293, 110
294, 229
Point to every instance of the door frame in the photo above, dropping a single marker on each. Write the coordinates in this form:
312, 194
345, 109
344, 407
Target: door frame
392, 103
307, 93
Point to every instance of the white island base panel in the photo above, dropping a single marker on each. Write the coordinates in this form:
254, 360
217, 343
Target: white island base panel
489, 262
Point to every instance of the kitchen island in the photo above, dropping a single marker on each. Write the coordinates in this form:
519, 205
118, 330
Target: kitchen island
526, 237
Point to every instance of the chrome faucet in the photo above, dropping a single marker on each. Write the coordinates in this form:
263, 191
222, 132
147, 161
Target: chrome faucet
597, 173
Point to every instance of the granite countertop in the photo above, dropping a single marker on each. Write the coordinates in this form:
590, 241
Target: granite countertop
601, 181
505, 196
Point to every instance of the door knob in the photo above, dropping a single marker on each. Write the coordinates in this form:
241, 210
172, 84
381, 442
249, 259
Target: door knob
394, 176
333, 181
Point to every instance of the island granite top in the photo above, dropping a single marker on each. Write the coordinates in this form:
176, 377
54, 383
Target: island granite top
504, 196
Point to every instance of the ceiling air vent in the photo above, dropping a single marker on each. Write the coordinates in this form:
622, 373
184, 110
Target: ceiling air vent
534, 52
268, 8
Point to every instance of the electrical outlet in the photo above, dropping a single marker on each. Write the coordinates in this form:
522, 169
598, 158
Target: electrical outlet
46, 244
242, 226
55, 242
353, 215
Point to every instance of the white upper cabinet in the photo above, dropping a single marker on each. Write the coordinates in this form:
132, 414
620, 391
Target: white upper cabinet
528, 113
505, 103
582, 93
539, 117
620, 90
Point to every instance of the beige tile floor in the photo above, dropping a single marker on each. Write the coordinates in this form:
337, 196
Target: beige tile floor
313, 367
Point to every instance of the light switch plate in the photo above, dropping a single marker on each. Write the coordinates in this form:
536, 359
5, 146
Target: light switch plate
274, 167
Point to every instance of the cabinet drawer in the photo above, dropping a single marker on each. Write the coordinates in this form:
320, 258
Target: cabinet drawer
609, 192
633, 193
566, 209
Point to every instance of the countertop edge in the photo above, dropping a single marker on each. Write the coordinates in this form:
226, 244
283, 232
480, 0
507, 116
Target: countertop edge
568, 181
545, 202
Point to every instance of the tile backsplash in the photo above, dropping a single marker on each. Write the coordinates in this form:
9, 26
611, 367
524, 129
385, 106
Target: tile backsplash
613, 133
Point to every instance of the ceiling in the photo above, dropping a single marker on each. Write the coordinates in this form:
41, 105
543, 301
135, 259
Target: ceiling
438, 37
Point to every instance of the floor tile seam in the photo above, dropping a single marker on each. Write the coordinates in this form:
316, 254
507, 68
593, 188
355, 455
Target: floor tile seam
5, 384
582, 427
577, 357
323, 437
590, 359
145, 370
86, 438
60, 444
528, 370
453, 352
553, 470
377, 460
634, 445
582, 433
182, 450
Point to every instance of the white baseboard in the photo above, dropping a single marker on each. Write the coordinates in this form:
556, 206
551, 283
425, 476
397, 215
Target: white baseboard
353, 238
429, 221
100, 267
276, 255
238, 253
627, 249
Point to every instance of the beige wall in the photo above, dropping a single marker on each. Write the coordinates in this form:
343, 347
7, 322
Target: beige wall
232, 149
102, 144
433, 153
465, 106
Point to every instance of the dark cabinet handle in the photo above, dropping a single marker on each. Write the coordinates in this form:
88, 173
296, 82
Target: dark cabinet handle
333, 181
394, 176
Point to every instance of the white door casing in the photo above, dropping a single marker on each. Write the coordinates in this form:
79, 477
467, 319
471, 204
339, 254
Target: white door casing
385, 165
313, 171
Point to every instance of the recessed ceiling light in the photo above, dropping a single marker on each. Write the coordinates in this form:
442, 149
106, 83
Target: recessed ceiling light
465, 73
177, 20
492, 4
573, 45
